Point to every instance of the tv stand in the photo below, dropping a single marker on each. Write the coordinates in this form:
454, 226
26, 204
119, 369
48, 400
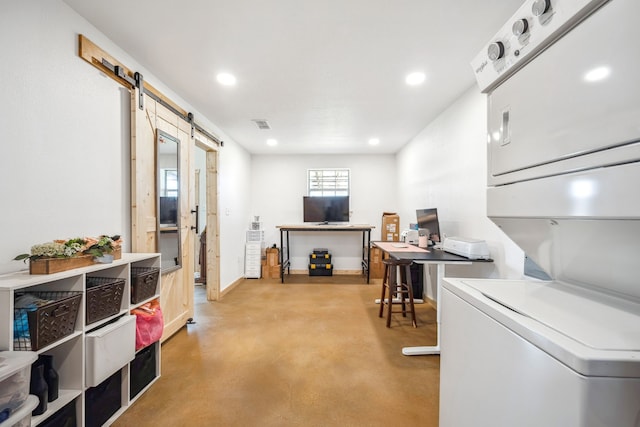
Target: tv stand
365, 229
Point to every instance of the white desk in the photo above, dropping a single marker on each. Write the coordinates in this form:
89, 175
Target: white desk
422, 256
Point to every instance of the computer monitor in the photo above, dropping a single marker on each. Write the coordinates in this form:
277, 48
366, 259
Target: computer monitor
326, 209
428, 220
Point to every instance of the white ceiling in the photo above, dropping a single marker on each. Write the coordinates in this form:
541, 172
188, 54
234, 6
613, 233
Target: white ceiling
327, 75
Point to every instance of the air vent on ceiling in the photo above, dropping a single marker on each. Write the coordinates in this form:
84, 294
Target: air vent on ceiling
262, 124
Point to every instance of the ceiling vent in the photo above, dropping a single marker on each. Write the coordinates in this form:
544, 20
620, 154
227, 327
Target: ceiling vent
262, 124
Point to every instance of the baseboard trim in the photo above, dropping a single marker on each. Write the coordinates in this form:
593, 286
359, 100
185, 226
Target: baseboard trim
431, 302
232, 286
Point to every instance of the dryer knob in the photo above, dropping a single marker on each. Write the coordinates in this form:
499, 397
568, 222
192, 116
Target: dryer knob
495, 51
520, 27
540, 7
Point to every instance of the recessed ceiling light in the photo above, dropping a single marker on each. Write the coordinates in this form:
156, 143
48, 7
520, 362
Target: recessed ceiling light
414, 79
226, 79
597, 74
374, 141
272, 142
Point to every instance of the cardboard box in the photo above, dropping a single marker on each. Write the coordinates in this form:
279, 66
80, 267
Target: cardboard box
273, 257
271, 271
274, 271
376, 267
390, 227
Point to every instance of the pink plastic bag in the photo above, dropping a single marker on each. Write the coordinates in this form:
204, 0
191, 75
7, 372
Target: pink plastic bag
149, 324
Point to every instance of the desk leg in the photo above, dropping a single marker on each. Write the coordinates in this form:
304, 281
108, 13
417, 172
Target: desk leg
428, 350
362, 261
281, 257
284, 262
368, 255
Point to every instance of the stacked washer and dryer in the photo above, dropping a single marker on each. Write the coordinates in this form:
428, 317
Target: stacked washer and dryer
563, 85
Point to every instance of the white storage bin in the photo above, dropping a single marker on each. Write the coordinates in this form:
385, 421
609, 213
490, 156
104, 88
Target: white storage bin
15, 375
109, 349
21, 417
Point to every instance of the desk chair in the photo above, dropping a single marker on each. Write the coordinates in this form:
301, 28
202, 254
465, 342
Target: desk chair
403, 289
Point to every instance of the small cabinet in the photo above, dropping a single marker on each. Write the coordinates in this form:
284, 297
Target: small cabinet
252, 261
100, 345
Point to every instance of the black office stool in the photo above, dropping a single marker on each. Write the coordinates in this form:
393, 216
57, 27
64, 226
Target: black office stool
403, 289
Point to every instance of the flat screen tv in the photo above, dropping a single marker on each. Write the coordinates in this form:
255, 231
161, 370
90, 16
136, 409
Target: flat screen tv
326, 209
428, 220
169, 210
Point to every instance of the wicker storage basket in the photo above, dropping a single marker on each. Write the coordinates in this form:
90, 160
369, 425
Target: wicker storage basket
37, 327
104, 297
144, 281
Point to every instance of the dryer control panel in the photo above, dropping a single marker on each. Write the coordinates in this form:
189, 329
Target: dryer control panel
536, 25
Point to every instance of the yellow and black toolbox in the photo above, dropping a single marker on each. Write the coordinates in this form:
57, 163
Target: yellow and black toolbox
320, 263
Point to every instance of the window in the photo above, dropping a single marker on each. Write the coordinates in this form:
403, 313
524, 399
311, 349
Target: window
169, 182
328, 182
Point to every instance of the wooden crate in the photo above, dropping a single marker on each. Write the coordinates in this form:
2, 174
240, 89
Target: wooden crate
56, 265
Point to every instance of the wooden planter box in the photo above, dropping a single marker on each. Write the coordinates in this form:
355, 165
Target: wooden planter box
56, 265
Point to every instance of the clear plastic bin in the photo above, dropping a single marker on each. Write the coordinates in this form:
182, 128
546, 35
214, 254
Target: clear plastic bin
15, 375
21, 417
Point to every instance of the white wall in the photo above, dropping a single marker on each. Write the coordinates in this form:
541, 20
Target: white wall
234, 209
65, 163
444, 167
65, 138
278, 184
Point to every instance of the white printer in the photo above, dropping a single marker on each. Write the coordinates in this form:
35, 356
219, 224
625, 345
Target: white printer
468, 248
410, 236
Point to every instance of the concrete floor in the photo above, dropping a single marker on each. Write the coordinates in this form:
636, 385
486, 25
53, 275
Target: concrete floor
299, 354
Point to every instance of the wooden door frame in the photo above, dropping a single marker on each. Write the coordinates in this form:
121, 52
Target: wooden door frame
213, 221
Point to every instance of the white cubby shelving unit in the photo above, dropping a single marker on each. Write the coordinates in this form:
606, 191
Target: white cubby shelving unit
70, 353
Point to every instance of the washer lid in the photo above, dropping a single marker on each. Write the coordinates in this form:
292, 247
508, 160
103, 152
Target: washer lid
596, 320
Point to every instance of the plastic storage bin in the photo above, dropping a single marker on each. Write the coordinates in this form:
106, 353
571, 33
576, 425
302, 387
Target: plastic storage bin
109, 348
21, 417
36, 327
15, 374
144, 282
104, 297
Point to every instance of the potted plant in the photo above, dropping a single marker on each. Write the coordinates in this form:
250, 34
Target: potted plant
103, 248
61, 255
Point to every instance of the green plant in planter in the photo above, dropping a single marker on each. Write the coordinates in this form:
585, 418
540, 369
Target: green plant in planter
103, 245
55, 249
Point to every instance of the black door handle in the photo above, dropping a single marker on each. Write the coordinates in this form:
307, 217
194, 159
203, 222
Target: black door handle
197, 212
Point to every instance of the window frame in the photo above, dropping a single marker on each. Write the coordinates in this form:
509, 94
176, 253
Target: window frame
322, 190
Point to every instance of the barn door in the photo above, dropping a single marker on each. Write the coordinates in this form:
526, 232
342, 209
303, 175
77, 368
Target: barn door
176, 295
